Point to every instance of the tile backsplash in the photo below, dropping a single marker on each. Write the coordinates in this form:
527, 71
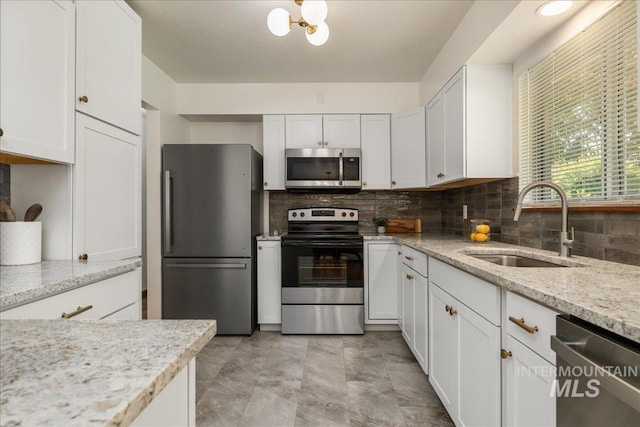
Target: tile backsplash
612, 236
5, 182
390, 204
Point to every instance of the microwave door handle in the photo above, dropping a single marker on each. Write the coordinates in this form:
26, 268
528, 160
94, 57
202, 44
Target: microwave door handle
341, 167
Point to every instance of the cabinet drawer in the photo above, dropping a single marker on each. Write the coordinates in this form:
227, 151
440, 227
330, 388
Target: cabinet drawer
539, 320
475, 293
415, 259
105, 297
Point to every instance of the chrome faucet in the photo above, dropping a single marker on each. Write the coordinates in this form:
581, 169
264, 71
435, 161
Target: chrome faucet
565, 243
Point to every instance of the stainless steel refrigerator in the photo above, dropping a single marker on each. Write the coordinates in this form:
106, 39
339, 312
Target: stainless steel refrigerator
211, 198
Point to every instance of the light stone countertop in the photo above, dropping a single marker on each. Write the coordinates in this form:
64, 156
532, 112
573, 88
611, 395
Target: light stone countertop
91, 373
603, 293
23, 284
267, 238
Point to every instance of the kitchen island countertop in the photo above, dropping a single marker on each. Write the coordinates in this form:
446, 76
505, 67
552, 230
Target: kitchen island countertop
24, 284
91, 373
604, 293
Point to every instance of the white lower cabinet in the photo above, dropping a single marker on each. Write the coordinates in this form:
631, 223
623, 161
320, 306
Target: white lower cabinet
269, 282
415, 311
175, 405
464, 348
381, 282
528, 384
118, 297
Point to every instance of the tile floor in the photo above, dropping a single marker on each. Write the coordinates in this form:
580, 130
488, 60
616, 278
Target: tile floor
270, 379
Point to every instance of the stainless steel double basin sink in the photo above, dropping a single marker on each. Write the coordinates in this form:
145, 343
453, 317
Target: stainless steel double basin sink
518, 260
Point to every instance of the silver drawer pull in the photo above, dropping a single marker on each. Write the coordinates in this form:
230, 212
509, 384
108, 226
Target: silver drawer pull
76, 312
520, 322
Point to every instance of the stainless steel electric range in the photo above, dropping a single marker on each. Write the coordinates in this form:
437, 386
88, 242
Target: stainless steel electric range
322, 272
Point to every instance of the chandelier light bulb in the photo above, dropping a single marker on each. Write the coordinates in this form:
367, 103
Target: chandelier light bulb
553, 8
314, 11
320, 36
278, 22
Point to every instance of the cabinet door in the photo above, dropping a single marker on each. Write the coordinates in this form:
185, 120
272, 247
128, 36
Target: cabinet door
382, 281
420, 320
478, 395
408, 277
443, 347
269, 282
455, 128
108, 63
37, 79
435, 140
341, 130
273, 140
408, 161
376, 151
107, 191
529, 381
304, 131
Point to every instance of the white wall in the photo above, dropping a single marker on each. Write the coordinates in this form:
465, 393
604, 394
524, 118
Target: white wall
477, 25
163, 126
283, 98
227, 133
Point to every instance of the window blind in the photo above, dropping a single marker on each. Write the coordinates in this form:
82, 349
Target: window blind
578, 115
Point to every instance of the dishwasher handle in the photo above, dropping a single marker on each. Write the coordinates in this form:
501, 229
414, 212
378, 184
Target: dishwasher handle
619, 388
240, 266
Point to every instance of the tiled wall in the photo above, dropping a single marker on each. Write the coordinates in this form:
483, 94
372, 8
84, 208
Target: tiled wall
612, 236
390, 204
5, 182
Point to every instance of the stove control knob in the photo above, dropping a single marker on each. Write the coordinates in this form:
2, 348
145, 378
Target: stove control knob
351, 214
344, 214
302, 214
294, 214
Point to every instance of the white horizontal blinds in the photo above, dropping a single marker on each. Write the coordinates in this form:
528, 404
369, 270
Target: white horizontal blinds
578, 114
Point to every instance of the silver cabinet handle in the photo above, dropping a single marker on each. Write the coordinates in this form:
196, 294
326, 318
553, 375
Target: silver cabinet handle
168, 241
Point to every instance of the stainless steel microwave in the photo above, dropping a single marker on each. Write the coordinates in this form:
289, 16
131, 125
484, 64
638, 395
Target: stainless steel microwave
323, 168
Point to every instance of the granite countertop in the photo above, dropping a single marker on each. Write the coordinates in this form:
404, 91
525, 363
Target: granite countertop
267, 238
603, 293
23, 284
91, 373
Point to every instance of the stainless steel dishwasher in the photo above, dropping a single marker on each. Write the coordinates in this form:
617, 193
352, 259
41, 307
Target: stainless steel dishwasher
597, 382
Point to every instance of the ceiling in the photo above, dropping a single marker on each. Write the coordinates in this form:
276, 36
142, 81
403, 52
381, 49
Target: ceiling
227, 41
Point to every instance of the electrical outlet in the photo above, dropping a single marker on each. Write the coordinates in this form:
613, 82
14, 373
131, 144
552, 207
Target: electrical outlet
464, 212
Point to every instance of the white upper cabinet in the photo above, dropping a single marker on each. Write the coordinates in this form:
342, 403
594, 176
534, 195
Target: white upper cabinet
37, 55
273, 139
108, 63
341, 130
304, 131
376, 151
469, 126
318, 131
107, 190
408, 162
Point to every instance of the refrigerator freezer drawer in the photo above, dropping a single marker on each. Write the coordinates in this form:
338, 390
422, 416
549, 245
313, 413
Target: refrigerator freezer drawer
220, 289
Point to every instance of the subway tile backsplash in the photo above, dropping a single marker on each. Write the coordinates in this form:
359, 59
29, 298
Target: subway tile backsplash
612, 236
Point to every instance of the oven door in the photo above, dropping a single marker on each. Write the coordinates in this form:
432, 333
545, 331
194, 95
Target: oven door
313, 168
316, 263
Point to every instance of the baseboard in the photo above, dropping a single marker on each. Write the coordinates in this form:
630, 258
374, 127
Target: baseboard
270, 327
381, 327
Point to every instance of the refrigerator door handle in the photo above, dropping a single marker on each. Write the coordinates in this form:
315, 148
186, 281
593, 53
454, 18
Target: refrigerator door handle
186, 265
168, 219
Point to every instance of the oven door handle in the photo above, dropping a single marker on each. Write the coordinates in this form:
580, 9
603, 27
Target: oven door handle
310, 244
615, 385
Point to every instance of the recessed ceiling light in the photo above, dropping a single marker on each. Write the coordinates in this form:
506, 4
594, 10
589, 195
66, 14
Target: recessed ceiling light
553, 8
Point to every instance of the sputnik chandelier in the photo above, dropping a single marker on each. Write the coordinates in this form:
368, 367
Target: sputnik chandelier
314, 12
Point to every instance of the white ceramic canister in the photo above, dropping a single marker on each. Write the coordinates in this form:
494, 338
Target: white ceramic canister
20, 242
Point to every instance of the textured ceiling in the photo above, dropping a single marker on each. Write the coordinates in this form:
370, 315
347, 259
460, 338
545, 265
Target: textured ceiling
215, 41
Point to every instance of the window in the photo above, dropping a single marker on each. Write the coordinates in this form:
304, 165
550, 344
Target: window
578, 116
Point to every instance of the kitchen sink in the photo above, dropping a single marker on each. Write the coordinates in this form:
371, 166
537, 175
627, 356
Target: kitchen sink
511, 260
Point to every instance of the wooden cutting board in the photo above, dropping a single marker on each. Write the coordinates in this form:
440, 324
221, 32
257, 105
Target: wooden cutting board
404, 226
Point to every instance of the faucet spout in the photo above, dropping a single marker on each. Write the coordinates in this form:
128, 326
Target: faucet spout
565, 242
